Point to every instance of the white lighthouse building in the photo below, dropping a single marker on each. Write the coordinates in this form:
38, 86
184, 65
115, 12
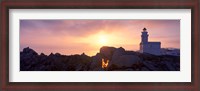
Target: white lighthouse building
149, 47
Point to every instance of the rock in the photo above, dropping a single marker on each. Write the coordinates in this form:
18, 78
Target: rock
150, 65
42, 54
119, 60
27, 50
107, 52
83, 54
51, 54
79, 67
43, 57
130, 53
96, 62
169, 66
117, 53
125, 60
57, 54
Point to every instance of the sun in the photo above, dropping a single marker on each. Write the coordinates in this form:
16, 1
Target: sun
103, 40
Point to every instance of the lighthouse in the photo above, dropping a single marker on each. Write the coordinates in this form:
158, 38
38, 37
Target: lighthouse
149, 47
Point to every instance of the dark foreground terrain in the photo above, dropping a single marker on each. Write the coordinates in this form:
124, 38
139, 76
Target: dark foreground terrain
119, 60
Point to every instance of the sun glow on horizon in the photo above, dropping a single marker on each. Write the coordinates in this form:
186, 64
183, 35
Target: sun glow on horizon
103, 40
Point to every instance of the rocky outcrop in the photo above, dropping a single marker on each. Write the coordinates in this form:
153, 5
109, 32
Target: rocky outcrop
119, 60
117, 53
107, 52
31, 61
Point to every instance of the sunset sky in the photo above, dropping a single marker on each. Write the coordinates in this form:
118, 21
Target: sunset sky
77, 36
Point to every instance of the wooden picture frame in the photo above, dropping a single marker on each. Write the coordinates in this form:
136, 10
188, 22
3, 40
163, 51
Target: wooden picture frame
89, 4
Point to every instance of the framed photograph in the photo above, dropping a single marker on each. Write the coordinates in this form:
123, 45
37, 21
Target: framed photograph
100, 45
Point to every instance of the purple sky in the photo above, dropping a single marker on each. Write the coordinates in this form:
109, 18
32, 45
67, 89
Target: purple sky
78, 36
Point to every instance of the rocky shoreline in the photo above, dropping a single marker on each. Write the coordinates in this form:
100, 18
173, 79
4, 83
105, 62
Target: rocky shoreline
119, 60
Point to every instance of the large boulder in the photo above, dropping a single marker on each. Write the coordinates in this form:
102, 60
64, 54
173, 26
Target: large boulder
107, 52
118, 52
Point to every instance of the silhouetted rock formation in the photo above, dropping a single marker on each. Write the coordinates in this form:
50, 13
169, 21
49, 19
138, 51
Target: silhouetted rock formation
107, 52
119, 60
31, 61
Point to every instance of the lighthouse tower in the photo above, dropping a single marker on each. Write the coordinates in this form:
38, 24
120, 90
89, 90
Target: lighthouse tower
149, 47
144, 36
